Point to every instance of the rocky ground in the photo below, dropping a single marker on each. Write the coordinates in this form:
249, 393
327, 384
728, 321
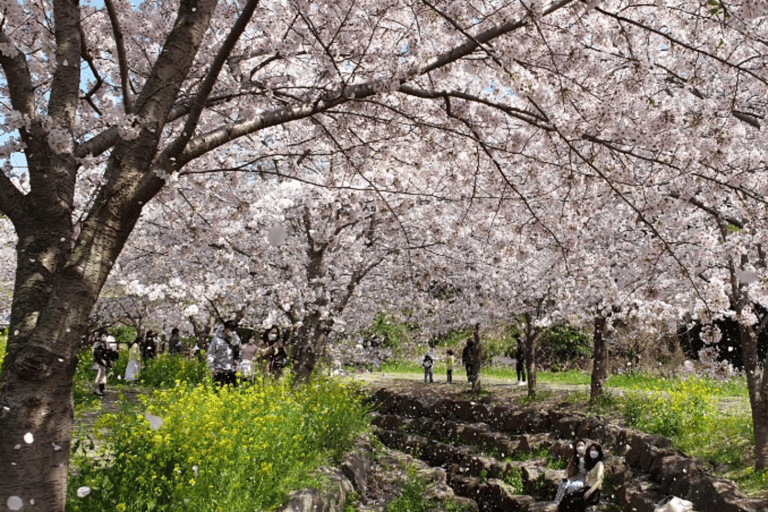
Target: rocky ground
392, 469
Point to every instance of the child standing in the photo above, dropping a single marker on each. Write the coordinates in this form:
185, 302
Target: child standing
449, 360
429, 359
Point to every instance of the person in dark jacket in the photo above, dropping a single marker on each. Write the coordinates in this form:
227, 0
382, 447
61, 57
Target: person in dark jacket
101, 363
520, 355
468, 360
175, 346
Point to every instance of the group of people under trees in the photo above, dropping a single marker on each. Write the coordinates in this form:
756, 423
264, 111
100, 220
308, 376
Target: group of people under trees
468, 355
226, 356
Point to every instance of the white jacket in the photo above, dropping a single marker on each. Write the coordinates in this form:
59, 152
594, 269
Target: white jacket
221, 356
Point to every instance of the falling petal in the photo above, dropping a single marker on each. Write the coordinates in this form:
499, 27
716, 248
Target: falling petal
29, 438
277, 235
84, 491
14, 503
154, 422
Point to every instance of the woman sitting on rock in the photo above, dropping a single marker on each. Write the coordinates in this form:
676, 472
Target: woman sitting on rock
579, 500
575, 472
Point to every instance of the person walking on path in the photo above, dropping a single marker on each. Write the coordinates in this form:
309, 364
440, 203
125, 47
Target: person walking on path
449, 362
101, 363
133, 369
223, 354
520, 355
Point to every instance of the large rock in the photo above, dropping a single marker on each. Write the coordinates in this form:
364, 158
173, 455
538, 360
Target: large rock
356, 465
331, 499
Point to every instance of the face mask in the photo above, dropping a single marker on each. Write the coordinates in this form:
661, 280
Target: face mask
593, 454
580, 450
273, 336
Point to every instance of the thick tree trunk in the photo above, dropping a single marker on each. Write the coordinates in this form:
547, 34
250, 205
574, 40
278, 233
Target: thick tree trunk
757, 382
477, 360
36, 411
310, 346
600, 364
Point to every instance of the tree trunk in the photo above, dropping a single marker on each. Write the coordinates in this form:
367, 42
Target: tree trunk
600, 364
36, 397
477, 361
757, 382
310, 345
530, 361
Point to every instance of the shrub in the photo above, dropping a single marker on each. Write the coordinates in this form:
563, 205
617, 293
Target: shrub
562, 347
684, 407
391, 333
217, 449
165, 370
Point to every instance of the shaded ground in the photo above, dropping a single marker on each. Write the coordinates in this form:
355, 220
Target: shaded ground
502, 390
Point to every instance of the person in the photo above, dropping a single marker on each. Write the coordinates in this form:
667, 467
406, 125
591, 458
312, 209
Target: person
149, 349
175, 346
449, 362
427, 363
467, 359
589, 493
223, 354
245, 366
133, 368
101, 362
575, 472
520, 361
274, 351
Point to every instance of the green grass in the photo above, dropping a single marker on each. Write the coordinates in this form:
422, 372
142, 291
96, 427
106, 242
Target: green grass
411, 498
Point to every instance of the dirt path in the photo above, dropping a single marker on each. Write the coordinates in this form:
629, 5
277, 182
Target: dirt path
503, 389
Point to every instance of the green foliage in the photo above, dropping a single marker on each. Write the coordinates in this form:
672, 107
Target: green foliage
217, 449
124, 335
454, 338
165, 370
671, 412
82, 386
562, 347
411, 498
392, 334
3, 343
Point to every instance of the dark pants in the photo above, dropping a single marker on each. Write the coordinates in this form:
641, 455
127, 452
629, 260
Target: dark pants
520, 371
575, 502
470, 376
450, 375
224, 378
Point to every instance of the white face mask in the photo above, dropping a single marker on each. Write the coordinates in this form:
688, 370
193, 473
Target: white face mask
580, 450
273, 336
593, 454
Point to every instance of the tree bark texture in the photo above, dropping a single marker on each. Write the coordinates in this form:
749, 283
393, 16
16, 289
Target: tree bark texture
477, 361
600, 363
757, 382
58, 276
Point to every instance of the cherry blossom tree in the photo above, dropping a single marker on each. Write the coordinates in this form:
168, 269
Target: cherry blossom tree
109, 104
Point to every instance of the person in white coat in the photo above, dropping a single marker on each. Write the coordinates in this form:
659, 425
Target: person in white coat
224, 354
